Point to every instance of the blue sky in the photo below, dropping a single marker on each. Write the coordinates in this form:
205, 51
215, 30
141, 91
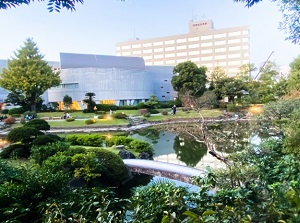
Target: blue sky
97, 25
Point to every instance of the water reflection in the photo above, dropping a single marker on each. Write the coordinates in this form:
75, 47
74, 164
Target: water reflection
179, 148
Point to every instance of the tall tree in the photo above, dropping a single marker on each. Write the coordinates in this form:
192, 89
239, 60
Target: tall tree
28, 74
217, 73
189, 77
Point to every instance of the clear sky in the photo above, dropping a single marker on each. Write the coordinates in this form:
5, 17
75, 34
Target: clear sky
97, 25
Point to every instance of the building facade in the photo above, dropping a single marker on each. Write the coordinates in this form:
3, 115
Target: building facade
114, 80
226, 48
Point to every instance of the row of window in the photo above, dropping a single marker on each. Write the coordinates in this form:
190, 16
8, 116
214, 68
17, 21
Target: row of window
191, 39
191, 46
201, 62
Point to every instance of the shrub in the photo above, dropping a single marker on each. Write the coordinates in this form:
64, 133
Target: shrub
141, 105
101, 116
231, 108
4, 111
118, 140
141, 146
90, 121
106, 107
147, 115
87, 111
86, 139
128, 107
22, 121
153, 111
119, 115
10, 120
100, 112
45, 139
70, 119
15, 115
16, 151
164, 112
23, 134
19, 110
39, 124
40, 153
114, 169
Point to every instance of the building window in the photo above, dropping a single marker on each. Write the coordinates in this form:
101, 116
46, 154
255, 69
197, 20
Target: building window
194, 39
136, 52
219, 57
194, 53
183, 47
234, 48
206, 37
147, 51
170, 48
158, 43
181, 40
125, 47
158, 50
206, 51
170, 42
182, 54
147, 44
194, 46
222, 35
136, 46
230, 41
234, 33
218, 43
159, 56
220, 50
69, 85
206, 44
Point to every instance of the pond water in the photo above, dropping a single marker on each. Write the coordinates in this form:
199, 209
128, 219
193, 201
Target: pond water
179, 148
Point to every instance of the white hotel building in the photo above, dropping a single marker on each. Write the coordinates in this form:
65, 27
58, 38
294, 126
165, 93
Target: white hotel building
227, 48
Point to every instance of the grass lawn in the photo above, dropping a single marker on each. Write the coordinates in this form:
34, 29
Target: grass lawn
80, 117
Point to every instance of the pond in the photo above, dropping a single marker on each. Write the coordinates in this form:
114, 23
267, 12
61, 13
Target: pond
179, 148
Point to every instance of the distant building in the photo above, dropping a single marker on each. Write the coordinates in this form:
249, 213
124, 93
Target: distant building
114, 80
227, 48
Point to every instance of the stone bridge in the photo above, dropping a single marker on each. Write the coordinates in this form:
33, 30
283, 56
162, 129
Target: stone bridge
168, 170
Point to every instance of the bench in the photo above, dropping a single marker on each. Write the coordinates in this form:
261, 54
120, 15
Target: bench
45, 118
56, 118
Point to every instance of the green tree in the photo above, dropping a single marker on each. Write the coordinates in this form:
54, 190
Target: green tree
245, 71
217, 74
230, 87
90, 101
294, 77
189, 78
28, 74
152, 102
67, 100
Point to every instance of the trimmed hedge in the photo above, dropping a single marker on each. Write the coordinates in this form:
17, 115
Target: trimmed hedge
119, 115
86, 139
19, 110
39, 124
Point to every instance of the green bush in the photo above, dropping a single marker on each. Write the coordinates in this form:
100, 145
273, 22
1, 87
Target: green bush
90, 121
119, 115
22, 121
128, 107
153, 111
106, 107
19, 110
101, 116
15, 151
87, 111
141, 105
41, 152
23, 134
231, 108
118, 140
70, 119
114, 169
141, 146
86, 139
45, 139
4, 111
39, 124
16, 115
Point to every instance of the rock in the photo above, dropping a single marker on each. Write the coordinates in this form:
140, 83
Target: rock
125, 154
120, 147
145, 156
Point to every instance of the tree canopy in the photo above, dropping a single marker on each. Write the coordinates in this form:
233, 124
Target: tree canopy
28, 76
189, 77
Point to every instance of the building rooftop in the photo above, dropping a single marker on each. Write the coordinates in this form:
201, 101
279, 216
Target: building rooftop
73, 60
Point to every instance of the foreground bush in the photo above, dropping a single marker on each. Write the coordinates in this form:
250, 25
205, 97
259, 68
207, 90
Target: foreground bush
85, 139
39, 124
